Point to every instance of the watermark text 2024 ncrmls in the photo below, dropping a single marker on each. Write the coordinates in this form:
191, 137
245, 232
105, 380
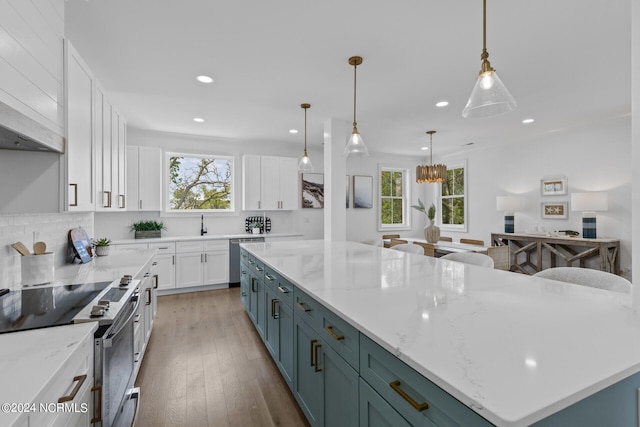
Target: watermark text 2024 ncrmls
52, 407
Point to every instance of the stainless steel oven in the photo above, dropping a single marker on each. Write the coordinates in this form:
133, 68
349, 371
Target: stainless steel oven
116, 400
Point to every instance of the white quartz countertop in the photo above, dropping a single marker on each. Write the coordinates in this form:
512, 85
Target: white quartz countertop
513, 348
30, 359
205, 237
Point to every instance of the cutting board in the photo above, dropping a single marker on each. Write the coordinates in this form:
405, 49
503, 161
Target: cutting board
81, 245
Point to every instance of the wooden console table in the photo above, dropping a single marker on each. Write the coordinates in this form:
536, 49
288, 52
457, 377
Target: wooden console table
569, 249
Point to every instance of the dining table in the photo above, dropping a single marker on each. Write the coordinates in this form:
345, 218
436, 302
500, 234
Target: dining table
442, 247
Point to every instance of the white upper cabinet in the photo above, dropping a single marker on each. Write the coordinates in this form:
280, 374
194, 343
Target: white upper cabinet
31, 62
269, 183
80, 152
144, 178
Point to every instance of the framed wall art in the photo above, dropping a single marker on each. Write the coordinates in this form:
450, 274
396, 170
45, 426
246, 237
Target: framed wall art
555, 210
362, 191
348, 191
313, 190
553, 186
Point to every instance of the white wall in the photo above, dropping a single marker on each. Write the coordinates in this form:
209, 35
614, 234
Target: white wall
593, 159
635, 138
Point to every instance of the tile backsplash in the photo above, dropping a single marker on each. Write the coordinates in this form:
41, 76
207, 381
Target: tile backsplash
51, 228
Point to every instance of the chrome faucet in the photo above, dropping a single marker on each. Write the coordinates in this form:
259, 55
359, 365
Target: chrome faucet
203, 230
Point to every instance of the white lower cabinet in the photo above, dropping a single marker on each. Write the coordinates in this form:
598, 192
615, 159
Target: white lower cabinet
166, 265
200, 263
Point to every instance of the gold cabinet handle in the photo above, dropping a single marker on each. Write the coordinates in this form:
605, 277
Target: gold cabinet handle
75, 194
268, 276
258, 268
335, 336
250, 262
302, 306
283, 289
98, 410
395, 385
122, 204
315, 356
273, 308
311, 343
80, 380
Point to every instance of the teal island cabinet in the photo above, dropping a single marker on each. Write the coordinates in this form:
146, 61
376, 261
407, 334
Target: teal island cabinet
368, 336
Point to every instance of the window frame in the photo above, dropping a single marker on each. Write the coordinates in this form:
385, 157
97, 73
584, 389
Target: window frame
406, 222
439, 197
168, 212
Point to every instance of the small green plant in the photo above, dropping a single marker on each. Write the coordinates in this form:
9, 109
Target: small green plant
148, 225
430, 213
254, 224
103, 241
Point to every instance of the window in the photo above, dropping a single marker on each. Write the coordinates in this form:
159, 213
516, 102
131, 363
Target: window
394, 189
199, 183
453, 210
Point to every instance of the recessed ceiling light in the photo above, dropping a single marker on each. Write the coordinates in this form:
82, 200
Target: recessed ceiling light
442, 104
526, 121
424, 148
293, 130
198, 119
204, 79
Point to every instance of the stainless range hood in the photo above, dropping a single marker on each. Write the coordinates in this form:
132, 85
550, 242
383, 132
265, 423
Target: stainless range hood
20, 132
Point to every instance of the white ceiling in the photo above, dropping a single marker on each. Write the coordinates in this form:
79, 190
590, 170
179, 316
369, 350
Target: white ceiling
567, 63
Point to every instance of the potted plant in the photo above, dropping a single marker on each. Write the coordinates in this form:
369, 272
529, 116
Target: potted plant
255, 227
431, 231
101, 245
147, 229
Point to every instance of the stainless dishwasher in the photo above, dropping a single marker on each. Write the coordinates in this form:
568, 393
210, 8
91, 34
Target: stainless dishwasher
234, 258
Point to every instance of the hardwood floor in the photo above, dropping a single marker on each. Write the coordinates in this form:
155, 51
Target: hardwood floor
205, 365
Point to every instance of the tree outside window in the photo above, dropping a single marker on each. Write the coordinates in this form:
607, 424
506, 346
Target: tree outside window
393, 197
452, 206
200, 183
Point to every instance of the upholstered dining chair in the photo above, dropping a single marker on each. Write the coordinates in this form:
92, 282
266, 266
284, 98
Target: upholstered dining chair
472, 242
395, 242
408, 247
428, 248
472, 258
587, 277
445, 239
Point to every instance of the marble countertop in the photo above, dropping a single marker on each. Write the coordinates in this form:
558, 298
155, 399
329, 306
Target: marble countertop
205, 237
30, 359
514, 348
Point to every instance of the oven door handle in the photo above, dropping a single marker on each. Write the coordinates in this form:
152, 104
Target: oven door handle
108, 341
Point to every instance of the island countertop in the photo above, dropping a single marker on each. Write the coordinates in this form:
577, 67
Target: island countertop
514, 348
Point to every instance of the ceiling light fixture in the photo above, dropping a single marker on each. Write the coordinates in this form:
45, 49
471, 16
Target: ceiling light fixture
431, 172
355, 146
442, 103
489, 96
198, 120
204, 79
293, 130
527, 121
305, 163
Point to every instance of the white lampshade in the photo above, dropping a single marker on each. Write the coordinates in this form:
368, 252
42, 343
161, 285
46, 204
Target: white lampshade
509, 203
589, 202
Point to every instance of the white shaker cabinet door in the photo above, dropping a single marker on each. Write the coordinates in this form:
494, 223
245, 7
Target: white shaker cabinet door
289, 194
251, 199
216, 267
189, 271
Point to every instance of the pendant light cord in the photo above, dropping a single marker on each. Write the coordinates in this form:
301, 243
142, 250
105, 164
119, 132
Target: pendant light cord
305, 131
484, 25
355, 67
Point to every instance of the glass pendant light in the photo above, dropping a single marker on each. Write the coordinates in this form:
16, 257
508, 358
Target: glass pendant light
431, 172
305, 163
355, 146
489, 96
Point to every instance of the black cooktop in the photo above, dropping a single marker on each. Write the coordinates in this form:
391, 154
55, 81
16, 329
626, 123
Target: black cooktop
42, 307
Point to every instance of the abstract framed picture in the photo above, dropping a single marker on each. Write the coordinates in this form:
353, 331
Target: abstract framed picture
362, 191
553, 186
555, 210
348, 191
313, 190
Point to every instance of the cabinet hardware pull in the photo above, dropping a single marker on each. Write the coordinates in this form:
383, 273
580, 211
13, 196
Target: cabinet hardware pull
173, 259
335, 336
148, 296
269, 277
205, 258
122, 205
140, 203
75, 194
258, 268
283, 289
137, 319
154, 263
275, 315
108, 202
201, 257
80, 380
163, 247
311, 343
157, 279
253, 282
98, 411
258, 204
395, 385
243, 272
315, 356
303, 307
250, 262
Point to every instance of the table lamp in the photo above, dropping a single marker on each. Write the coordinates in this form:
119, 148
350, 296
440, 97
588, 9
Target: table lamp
509, 204
589, 203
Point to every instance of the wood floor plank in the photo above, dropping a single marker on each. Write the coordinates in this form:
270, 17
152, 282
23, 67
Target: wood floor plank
207, 366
